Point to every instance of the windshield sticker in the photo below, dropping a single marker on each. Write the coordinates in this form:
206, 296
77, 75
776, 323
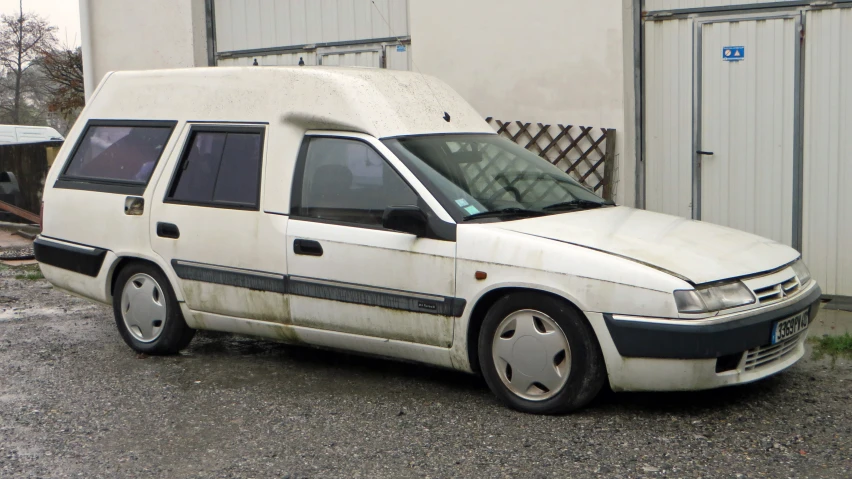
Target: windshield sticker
472, 210
462, 202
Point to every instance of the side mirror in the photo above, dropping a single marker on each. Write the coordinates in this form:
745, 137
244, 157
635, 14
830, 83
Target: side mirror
405, 219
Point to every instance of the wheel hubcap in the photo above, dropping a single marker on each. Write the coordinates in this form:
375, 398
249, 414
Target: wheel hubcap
143, 308
532, 355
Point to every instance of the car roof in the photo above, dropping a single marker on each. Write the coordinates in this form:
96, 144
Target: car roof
378, 102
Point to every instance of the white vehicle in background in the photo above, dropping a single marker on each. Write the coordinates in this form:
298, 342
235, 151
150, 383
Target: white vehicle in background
20, 135
376, 212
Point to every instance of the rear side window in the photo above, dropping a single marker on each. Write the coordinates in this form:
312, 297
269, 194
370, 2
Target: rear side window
220, 167
116, 156
118, 152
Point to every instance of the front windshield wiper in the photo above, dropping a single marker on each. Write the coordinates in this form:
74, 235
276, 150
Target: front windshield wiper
504, 212
576, 205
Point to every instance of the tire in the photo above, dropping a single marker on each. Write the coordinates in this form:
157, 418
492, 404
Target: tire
148, 317
553, 348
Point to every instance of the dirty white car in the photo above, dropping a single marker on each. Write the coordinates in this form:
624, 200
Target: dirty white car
376, 212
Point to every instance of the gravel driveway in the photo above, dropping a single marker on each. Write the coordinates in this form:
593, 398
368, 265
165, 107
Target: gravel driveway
76, 402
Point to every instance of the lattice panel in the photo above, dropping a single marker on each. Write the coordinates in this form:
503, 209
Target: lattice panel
586, 153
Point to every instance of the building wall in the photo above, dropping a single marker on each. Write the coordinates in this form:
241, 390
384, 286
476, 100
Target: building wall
139, 35
557, 61
254, 24
828, 149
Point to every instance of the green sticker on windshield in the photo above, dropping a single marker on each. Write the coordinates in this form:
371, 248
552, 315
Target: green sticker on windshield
472, 210
462, 203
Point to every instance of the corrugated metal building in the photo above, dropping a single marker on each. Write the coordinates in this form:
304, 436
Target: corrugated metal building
746, 119
319, 32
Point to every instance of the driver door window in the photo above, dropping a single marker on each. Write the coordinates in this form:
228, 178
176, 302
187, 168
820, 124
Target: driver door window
347, 181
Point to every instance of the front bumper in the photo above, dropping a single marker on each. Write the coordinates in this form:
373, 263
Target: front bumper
709, 338
654, 354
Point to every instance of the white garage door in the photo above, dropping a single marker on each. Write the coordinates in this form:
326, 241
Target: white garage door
668, 116
748, 80
827, 238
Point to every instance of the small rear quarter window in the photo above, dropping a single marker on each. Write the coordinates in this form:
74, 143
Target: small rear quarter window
118, 153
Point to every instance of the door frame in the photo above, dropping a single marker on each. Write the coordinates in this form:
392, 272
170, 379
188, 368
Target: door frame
798, 109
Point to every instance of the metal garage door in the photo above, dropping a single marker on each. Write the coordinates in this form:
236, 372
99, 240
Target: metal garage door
827, 238
749, 84
668, 116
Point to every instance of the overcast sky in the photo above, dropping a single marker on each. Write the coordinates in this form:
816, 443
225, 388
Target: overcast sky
64, 14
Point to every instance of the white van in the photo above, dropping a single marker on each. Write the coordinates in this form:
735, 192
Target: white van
20, 135
376, 212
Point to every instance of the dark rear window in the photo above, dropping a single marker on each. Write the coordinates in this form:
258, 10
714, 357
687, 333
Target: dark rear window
220, 167
118, 153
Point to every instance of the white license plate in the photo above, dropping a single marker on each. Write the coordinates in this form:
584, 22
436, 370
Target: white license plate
789, 327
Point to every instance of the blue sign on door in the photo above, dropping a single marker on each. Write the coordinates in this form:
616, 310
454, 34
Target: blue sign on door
733, 54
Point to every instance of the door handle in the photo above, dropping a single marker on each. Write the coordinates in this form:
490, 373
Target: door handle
168, 230
307, 247
705, 153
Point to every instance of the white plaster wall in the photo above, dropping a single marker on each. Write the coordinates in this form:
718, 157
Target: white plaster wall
555, 61
141, 35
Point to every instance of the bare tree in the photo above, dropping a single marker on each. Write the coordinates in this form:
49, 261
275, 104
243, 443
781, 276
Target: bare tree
62, 67
23, 38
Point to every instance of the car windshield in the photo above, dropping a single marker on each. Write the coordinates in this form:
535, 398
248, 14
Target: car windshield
486, 176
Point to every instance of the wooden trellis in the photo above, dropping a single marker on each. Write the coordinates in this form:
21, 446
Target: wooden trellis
587, 153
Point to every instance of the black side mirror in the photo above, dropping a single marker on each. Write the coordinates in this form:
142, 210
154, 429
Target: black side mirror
405, 219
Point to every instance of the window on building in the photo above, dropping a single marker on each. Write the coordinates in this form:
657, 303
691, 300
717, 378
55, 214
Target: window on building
348, 181
118, 153
220, 168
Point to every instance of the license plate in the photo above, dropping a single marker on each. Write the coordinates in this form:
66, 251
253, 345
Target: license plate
789, 327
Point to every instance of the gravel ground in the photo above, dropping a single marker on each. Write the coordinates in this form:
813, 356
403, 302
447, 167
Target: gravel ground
23, 252
76, 402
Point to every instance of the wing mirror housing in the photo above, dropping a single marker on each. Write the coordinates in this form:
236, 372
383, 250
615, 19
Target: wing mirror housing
406, 219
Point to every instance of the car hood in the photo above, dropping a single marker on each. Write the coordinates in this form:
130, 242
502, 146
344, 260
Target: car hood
692, 250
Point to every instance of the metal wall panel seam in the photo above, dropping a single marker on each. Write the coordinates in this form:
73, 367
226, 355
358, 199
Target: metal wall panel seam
654, 10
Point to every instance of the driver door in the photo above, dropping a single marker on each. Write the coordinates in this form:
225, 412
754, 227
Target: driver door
349, 274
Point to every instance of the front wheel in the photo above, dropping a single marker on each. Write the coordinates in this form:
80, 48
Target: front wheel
538, 355
147, 313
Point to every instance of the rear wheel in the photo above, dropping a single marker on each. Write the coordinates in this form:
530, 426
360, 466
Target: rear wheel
538, 355
147, 313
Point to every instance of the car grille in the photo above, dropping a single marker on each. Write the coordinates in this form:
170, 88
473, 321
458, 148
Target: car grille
778, 291
766, 355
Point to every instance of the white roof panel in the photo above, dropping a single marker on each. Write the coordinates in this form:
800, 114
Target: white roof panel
378, 102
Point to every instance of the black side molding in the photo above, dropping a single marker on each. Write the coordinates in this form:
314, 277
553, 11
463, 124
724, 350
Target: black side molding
254, 280
382, 298
81, 259
320, 289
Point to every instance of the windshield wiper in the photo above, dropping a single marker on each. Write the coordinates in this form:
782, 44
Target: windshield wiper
576, 205
504, 212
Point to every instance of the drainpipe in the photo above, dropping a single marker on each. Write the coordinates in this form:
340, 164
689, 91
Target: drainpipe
89, 80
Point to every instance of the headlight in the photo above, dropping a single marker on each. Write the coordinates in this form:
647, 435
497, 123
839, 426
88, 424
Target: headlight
714, 298
802, 272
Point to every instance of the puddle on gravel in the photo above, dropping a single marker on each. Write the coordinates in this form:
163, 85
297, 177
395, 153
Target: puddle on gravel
832, 322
